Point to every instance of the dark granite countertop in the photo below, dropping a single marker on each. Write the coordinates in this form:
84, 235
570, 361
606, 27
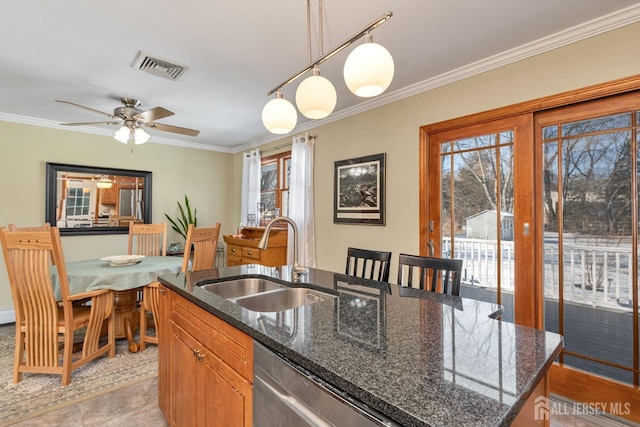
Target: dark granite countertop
420, 358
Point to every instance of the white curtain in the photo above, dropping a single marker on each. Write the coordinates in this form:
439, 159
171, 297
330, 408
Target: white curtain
301, 199
250, 185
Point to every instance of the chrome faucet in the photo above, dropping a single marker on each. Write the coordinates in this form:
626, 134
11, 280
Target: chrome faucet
298, 270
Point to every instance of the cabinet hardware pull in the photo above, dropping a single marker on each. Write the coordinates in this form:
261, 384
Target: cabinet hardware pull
233, 249
161, 291
250, 252
198, 355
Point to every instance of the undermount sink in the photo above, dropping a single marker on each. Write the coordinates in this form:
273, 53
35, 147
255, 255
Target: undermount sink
262, 295
282, 299
241, 287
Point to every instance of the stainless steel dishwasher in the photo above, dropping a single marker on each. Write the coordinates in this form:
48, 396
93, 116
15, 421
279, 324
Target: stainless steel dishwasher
286, 395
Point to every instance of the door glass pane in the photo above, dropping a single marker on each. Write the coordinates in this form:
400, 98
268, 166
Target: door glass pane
551, 255
586, 193
477, 215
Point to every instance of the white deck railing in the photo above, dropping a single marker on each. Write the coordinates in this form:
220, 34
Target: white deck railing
606, 267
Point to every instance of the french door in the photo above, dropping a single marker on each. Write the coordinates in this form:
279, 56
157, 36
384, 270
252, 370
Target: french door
587, 156
542, 206
473, 188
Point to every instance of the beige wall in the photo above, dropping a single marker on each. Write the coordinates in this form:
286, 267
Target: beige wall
394, 129
202, 175
213, 183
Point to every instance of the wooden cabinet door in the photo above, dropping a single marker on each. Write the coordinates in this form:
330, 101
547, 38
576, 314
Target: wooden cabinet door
164, 353
225, 397
109, 195
184, 378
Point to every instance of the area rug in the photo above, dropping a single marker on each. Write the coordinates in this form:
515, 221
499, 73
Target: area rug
37, 394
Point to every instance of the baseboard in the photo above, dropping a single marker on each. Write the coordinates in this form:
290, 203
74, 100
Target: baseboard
7, 316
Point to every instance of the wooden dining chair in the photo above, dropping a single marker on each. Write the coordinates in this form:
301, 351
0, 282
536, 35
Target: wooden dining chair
368, 264
435, 274
148, 239
203, 241
149, 307
45, 327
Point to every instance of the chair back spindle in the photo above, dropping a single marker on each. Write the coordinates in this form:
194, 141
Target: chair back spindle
368, 264
432, 274
148, 239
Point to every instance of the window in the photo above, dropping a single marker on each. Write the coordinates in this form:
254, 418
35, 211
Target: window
79, 202
275, 175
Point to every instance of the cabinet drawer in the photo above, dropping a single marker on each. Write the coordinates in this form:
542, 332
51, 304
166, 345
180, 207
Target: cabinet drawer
233, 250
252, 253
231, 345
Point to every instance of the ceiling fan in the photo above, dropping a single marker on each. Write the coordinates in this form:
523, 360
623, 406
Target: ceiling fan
132, 119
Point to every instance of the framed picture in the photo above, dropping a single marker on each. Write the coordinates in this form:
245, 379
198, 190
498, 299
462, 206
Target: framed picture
359, 190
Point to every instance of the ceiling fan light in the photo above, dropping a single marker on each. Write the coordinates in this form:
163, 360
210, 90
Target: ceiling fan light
122, 135
368, 70
279, 115
316, 97
140, 136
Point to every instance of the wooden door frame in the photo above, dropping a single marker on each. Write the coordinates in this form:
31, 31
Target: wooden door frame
565, 381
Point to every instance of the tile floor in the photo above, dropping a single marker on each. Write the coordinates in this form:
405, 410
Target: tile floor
137, 405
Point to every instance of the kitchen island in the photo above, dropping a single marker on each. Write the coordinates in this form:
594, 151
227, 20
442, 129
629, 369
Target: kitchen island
417, 358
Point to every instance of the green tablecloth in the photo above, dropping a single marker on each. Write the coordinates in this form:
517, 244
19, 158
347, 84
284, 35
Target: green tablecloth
94, 274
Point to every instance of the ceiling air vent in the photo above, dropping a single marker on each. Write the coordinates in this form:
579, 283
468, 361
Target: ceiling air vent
158, 67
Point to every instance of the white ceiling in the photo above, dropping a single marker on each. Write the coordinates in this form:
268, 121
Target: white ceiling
82, 51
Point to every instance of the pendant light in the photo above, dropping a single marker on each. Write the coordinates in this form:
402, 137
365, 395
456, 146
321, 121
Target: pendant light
104, 182
368, 70
315, 97
368, 73
279, 115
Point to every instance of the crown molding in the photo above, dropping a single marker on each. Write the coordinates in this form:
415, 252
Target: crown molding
575, 34
106, 132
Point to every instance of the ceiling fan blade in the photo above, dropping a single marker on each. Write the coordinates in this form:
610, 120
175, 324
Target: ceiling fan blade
91, 123
153, 114
174, 129
89, 109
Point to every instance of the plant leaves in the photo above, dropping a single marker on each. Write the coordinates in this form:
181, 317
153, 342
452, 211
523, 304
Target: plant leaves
181, 223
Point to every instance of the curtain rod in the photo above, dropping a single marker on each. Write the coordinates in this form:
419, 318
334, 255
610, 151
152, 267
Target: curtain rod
288, 144
277, 147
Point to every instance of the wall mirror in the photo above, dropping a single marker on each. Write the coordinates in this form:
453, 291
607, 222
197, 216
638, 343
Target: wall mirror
82, 200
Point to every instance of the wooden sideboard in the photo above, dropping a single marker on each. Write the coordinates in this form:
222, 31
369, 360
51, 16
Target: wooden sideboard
245, 250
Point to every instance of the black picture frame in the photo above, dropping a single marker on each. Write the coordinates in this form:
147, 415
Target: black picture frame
55, 170
359, 190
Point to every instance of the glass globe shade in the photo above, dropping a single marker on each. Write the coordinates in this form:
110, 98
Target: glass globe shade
279, 115
122, 135
140, 136
104, 182
316, 97
368, 70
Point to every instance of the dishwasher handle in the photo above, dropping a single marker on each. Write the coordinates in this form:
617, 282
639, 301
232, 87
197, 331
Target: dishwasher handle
302, 410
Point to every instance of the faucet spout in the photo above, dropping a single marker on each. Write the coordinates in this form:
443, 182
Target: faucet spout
298, 270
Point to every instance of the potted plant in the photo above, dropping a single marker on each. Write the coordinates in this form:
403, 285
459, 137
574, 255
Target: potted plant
186, 217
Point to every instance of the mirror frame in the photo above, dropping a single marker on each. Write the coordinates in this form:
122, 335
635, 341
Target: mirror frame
51, 196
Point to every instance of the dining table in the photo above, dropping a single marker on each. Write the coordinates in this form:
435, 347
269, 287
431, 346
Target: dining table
125, 280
